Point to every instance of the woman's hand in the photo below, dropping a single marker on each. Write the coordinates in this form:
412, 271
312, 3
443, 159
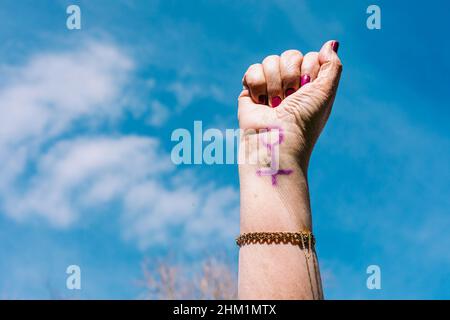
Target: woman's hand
294, 93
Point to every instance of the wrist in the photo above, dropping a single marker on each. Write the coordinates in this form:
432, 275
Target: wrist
278, 144
277, 202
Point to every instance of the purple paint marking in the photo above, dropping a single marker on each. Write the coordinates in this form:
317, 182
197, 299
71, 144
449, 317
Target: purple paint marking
280, 137
260, 173
274, 170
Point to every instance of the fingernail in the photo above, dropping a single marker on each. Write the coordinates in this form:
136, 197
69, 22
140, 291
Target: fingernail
335, 46
276, 101
262, 99
289, 92
305, 79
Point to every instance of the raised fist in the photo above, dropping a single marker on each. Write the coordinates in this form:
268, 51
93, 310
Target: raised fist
294, 93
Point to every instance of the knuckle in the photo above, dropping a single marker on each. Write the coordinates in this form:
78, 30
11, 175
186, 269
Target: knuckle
290, 63
292, 53
253, 68
271, 59
253, 80
312, 55
253, 76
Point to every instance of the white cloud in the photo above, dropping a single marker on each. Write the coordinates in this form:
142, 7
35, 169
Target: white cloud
199, 214
59, 167
44, 98
83, 173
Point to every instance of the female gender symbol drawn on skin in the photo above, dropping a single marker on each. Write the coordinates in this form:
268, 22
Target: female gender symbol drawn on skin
273, 149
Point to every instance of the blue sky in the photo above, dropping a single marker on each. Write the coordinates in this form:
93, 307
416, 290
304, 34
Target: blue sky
87, 115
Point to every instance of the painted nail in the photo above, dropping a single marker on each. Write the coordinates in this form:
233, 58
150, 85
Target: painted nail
276, 101
289, 92
305, 79
262, 99
335, 46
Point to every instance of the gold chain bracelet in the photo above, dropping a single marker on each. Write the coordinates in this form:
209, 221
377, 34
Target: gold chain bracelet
301, 238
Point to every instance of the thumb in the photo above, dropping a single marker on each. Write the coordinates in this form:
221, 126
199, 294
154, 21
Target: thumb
330, 67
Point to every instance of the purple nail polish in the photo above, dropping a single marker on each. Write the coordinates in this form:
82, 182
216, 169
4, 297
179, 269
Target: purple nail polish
276, 101
335, 46
289, 92
305, 79
262, 99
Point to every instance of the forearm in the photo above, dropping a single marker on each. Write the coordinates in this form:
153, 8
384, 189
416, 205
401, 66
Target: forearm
276, 271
